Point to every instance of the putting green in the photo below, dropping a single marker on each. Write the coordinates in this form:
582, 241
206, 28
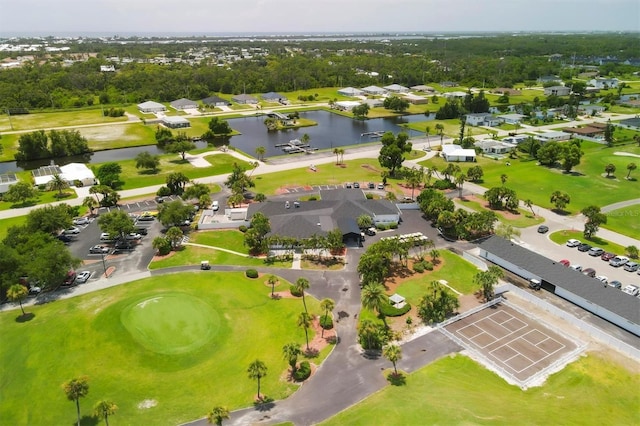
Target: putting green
171, 323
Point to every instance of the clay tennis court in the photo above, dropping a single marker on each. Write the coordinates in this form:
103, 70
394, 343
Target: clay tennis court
509, 339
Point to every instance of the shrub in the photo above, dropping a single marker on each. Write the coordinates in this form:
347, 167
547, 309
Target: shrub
418, 267
164, 191
393, 225
303, 372
242, 229
428, 265
251, 273
389, 311
294, 291
369, 196
313, 198
443, 184
326, 322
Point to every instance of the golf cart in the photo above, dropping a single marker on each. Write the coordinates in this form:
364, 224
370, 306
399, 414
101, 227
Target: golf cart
204, 265
535, 284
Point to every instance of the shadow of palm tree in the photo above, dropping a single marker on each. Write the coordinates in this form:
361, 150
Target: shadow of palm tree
265, 404
397, 379
28, 316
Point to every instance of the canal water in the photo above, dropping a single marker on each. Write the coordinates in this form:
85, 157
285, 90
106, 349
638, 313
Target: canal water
331, 131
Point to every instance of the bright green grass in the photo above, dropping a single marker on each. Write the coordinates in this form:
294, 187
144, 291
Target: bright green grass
193, 255
561, 237
455, 270
229, 239
47, 120
523, 220
5, 224
44, 197
451, 128
86, 335
457, 390
625, 221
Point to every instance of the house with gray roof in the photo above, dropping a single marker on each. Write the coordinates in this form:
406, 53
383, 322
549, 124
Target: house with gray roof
245, 99
557, 91
183, 103
6, 180
590, 294
350, 91
374, 90
396, 88
215, 101
274, 97
481, 119
151, 107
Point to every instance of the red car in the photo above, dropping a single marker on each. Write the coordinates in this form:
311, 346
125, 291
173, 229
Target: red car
607, 256
565, 262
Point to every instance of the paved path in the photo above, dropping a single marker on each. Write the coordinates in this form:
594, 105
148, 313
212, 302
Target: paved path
217, 248
621, 204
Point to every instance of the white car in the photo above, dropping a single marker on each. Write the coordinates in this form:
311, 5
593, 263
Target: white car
215, 206
73, 231
83, 277
133, 236
602, 279
105, 237
618, 261
631, 289
573, 243
80, 221
576, 267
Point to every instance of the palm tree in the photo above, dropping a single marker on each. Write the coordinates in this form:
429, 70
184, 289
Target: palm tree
631, 167
76, 389
291, 351
57, 183
304, 321
529, 204
17, 293
336, 151
460, 178
610, 168
394, 354
217, 415
305, 138
373, 297
440, 129
503, 179
435, 254
301, 285
90, 203
256, 371
272, 280
413, 179
427, 130
104, 409
260, 151
327, 306
341, 152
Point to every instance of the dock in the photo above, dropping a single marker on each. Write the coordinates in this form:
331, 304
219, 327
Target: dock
377, 134
295, 146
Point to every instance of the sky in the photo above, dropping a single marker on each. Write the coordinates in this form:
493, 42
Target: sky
194, 17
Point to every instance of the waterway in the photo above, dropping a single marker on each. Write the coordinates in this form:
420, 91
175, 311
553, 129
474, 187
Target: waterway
331, 131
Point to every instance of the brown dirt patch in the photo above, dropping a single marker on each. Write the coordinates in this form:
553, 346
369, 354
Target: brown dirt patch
166, 256
319, 343
282, 295
371, 168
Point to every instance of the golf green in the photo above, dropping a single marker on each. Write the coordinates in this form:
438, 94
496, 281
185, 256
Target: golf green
171, 323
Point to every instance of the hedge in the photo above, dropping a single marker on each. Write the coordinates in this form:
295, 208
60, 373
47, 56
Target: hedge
389, 311
303, 372
326, 322
251, 273
294, 291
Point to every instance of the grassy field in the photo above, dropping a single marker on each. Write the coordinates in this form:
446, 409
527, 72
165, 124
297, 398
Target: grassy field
109, 336
47, 120
561, 237
5, 224
193, 255
229, 239
625, 221
44, 197
457, 390
523, 220
455, 270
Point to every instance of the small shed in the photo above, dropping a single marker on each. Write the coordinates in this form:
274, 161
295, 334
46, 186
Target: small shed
397, 301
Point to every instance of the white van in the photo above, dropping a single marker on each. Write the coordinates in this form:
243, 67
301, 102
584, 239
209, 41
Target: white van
215, 206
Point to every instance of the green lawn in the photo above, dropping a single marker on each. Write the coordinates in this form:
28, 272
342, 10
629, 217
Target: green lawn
523, 220
456, 390
218, 323
47, 120
5, 224
625, 221
229, 239
44, 197
561, 237
455, 270
192, 255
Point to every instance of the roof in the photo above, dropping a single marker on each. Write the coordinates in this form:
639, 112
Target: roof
46, 171
512, 116
273, 95
212, 100
374, 89
423, 88
174, 120
150, 104
244, 97
587, 130
480, 114
8, 178
183, 102
589, 289
553, 134
633, 122
350, 91
396, 87
457, 151
396, 298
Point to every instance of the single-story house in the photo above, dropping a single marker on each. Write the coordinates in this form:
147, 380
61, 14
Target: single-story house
345, 105
244, 99
549, 79
511, 118
71, 173
350, 91
507, 91
396, 88
552, 136
584, 131
604, 83
150, 107
451, 152
631, 122
373, 103
415, 99
489, 146
215, 101
374, 90
591, 109
6, 180
482, 119
183, 103
274, 97
608, 303
423, 88
455, 95
515, 140
557, 91
175, 122
107, 68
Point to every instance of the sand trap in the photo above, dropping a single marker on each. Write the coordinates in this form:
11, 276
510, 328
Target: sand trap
626, 154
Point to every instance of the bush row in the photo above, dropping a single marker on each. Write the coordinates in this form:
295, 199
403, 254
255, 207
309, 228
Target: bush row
422, 266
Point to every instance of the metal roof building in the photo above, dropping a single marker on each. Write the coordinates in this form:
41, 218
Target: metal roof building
606, 302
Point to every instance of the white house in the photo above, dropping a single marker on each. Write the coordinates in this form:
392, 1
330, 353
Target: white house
511, 118
455, 95
6, 180
72, 173
552, 136
515, 140
175, 122
489, 146
350, 91
482, 119
557, 91
604, 83
396, 88
374, 90
457, 153
345, 105
151, 107
415, 99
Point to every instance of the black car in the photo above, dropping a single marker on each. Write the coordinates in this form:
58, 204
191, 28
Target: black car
356, 185
64, 238
372, 185
141, 231
370, 231
584, 247
543, 229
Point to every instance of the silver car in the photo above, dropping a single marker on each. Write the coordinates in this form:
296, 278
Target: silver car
83, 277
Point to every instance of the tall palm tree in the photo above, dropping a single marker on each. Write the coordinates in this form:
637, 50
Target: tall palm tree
631, 167
304, 321
529, 204
394, 354
261, 150
17, 293
301, 285
327, 306
57, 183
427, 130
76, 389
217, 415
440, 129
256, 371
373, 297
291, 351
460, 179
90, 203
341, 152
336, 151
104, 409
272, 280
503, 178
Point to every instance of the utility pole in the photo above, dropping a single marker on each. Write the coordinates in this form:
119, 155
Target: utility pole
104, 265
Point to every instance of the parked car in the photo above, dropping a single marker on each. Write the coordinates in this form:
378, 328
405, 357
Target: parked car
34, 290
146, 218
573, 243
69, 279
631, 266
618, 261
595, 251
122, 245
142, 231
356, 185
602, 279
80, 221
215, 206
584, 247
576, 267
381, 186
615, 284
372, 185
607, 256
105, 237
348, 185
133, 236
535, 284
543, 229
83, 277
64, 238
590, 272
565, 262
72, 231
160, 200
99, 250
633, 290
370, 231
